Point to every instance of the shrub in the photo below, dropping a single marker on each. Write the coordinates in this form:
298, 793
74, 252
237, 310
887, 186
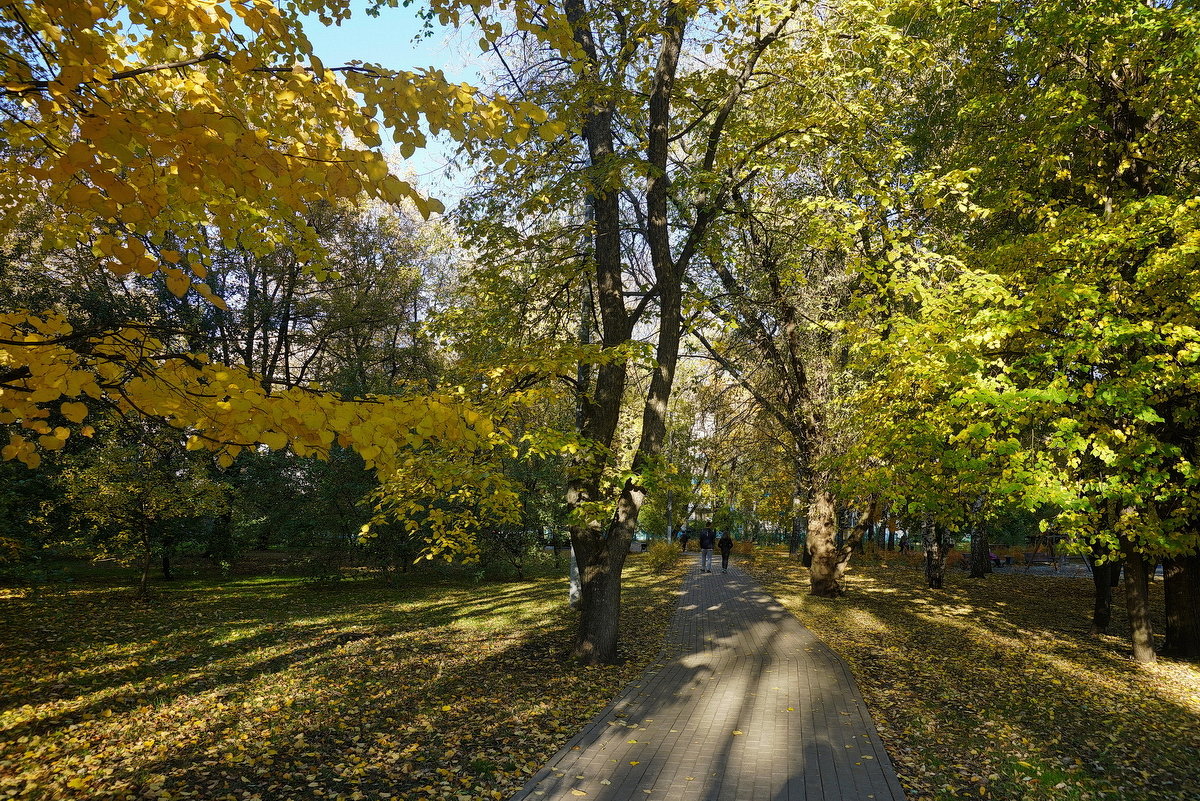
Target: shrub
662, 556
744, 550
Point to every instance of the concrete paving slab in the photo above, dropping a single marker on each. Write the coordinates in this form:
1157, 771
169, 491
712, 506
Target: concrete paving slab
743, 704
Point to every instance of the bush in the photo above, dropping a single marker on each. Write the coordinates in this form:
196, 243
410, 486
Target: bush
662, 556
744, 550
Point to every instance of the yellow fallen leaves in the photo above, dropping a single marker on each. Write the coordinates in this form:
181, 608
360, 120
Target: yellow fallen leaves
230, 685
1004, 694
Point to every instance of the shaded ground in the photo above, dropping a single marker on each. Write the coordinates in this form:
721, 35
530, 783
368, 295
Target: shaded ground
994, 688
745, 705
267, 688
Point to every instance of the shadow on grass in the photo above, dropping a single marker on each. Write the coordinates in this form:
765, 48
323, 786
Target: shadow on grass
268, 683
995, 688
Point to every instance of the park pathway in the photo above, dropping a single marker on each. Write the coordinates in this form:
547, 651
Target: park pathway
743, 704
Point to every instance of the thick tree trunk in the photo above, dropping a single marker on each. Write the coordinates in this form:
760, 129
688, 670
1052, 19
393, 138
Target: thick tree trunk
827, 571
936, 550
601, 547
1137, 601
1181, 584
981, 552
828, 558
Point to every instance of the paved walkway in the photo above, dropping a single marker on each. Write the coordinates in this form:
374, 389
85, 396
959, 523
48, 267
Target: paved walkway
743, 704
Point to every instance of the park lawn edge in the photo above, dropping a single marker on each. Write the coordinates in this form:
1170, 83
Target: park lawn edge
262, 688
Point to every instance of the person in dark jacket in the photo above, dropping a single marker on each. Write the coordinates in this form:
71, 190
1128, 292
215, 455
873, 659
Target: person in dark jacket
726, 545
707, 539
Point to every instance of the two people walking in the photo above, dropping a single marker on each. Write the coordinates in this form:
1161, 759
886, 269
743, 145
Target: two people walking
708, 540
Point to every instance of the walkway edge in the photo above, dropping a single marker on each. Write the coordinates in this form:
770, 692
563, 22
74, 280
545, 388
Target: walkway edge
599, 720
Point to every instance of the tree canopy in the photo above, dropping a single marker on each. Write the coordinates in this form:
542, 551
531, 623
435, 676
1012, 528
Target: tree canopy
927, 259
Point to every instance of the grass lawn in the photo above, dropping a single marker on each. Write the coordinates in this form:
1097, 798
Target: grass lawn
268, 689
994, 688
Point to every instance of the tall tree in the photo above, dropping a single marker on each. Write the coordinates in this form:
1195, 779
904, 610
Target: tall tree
1088, 325
158, 133
619, 85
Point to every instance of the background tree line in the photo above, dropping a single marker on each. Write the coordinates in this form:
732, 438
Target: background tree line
831, 265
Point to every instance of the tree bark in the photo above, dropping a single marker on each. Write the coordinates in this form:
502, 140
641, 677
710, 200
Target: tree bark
981, 552
827, 570
1137, 601
1102, 606
828, 558
601, 546
1181, 584
1104, 578
935, 544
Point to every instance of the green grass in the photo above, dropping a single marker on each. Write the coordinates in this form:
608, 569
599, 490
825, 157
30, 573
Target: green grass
439, 688
994, 688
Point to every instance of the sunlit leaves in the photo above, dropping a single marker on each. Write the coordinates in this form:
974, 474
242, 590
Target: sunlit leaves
434, 689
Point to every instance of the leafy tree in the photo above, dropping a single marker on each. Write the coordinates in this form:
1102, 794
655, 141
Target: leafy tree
154, 135
126, 494
615, 75
1075, 301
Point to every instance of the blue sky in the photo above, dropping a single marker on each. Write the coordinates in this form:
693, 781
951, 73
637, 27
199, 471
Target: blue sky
395, 40
388, 40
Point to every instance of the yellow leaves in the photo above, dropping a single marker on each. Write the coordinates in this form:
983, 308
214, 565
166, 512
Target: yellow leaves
177, 282
552, 130
274, 440
80, 195
74, 411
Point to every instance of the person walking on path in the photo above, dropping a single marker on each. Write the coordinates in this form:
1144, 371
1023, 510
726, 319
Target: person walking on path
683, 538
726, 545
707, 539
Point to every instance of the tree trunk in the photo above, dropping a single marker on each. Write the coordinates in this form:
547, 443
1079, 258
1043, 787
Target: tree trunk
981, 552
147, 560
936, 551
827, 570
796, 539
168, 543
1137, 600
796, 536
1104, 578
600, 563
1102, 607
601, 547
1181, 582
